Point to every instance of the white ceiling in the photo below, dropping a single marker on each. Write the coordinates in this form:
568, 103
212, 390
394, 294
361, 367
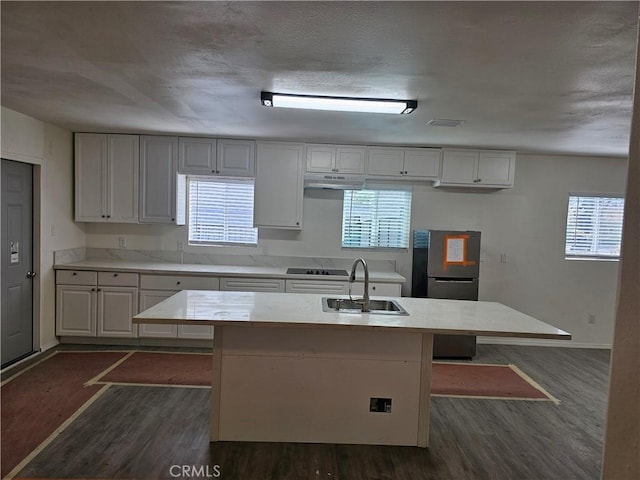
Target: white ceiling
531, 76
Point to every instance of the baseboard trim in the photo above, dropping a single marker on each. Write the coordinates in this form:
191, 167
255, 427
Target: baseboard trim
49, 346
530, 342
138, 342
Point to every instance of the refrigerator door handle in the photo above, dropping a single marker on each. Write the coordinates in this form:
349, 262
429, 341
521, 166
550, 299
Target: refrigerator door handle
444, 280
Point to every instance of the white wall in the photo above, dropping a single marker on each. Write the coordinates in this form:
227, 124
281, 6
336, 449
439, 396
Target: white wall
526, 223
50, 148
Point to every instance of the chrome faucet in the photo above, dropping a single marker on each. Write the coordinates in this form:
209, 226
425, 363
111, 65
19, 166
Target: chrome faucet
366, 307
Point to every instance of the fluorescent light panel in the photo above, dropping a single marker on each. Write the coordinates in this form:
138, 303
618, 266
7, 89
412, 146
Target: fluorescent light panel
342, 104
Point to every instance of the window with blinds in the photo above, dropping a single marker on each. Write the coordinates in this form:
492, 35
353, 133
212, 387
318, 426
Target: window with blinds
376, 218
594, 226
221, 211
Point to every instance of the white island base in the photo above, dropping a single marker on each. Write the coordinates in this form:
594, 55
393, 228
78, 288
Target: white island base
285, 371
315, 385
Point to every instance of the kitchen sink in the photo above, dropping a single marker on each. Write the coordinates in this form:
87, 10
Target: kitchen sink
345, 305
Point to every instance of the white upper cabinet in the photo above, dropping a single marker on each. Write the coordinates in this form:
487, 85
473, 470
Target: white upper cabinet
158, 179
405, 163
336, 159
279, 185
496, 168
210, 156
386, 161
477, 168
197, 156
236, 158
106, 177
459, 167
422, 163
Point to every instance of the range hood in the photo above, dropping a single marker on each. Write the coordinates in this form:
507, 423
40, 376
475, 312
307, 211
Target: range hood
334, 181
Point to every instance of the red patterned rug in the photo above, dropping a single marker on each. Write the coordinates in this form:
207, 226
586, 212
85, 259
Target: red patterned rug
485, 381
38, 401
159, 368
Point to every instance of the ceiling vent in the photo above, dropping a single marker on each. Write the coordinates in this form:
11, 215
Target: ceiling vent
443, 122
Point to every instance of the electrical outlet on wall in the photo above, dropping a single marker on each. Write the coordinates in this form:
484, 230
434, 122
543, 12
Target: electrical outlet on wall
122, 242
503, 258
592, 318
180, 246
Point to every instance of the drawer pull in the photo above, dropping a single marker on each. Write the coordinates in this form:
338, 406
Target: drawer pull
115, 274
177, 283
75, 273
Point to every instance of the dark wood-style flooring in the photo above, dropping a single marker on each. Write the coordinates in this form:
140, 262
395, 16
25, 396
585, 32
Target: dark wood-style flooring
141, 432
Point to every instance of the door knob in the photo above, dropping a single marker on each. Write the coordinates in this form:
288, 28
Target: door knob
31, 274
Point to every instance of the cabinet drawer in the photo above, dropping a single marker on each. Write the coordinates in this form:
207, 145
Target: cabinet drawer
178, 282
252, 284
316, 286
377, 289
118, 279
76, 277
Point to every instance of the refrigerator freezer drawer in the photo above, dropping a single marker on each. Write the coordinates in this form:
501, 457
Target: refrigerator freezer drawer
452, 289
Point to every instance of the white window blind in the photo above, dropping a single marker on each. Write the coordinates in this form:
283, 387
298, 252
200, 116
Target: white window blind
376, 218
594, 226
221, 211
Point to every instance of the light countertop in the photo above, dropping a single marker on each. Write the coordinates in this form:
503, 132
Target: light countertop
217, 270
426, 315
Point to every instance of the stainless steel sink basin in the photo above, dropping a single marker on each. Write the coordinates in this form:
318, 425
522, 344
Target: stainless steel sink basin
345, 305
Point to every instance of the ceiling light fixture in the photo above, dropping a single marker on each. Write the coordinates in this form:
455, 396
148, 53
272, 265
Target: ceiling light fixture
342, 104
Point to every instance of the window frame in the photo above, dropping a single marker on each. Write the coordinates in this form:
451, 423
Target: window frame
591, 256
217, 179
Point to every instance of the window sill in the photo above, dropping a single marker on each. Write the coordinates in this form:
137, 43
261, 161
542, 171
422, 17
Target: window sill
594, 259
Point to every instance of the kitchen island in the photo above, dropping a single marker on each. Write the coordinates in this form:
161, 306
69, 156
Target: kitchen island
286, 371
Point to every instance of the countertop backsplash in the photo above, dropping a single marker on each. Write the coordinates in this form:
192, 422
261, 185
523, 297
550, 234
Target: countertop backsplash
81, 254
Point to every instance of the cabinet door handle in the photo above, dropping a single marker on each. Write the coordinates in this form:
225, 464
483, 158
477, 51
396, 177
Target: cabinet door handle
479, 180
93, 289
177, 283
75, 273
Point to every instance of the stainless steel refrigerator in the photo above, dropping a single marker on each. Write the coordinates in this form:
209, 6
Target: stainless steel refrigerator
446, 264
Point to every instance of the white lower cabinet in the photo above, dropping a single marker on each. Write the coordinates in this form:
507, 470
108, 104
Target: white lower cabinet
378, 289
149, 298
116, 307
102, 304
342, 288
90, 304
155, 288
252, 284
76, 310
317, 286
